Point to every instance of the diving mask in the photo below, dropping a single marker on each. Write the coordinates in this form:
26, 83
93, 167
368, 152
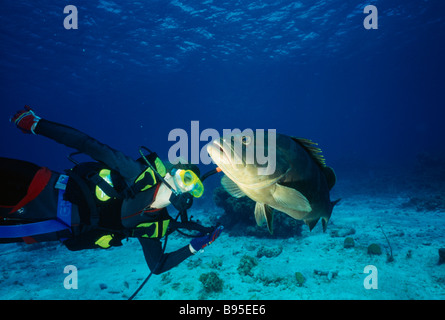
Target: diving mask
188, 181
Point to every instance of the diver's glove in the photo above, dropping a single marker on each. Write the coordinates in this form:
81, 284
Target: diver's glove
200, 243
26, 120
181, 201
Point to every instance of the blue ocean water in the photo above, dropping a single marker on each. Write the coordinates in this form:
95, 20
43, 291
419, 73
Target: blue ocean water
135, 70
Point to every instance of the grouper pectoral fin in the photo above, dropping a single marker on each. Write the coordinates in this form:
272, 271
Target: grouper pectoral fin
291, 198
231, 187
264, 213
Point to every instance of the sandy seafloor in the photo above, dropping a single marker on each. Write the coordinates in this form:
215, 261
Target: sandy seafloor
368, 201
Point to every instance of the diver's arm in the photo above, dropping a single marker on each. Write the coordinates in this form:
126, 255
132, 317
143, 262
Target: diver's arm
76, 139
160, 262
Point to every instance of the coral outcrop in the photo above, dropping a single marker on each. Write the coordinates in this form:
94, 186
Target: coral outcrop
211, 282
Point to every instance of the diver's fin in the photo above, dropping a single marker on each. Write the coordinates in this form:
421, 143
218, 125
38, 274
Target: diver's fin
231, 187
291, 198
331, 178
264, 213
312, 223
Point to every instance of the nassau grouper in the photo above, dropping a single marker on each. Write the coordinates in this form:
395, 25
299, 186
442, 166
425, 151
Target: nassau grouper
298, 183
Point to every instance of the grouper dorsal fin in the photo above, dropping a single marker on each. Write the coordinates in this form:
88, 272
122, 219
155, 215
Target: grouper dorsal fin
291, 198
312, 149
264, 213
231, 187
316, 154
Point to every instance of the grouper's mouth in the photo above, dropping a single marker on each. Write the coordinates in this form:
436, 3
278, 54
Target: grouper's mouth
223, 159
218, 154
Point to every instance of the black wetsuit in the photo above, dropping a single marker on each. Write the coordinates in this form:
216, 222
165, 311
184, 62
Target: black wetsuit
118, 215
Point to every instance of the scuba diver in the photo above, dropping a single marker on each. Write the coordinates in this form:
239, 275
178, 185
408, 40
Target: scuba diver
98, 204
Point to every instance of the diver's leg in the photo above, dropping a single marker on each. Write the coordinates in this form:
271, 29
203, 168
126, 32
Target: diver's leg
15, 177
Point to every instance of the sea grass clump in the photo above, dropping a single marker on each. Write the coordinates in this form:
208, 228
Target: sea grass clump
300, 278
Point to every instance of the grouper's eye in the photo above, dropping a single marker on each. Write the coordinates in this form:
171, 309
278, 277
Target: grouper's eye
246, 140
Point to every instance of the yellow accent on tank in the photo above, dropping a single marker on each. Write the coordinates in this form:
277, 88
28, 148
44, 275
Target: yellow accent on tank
104, 241
160, 167
106, 175
142, 176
